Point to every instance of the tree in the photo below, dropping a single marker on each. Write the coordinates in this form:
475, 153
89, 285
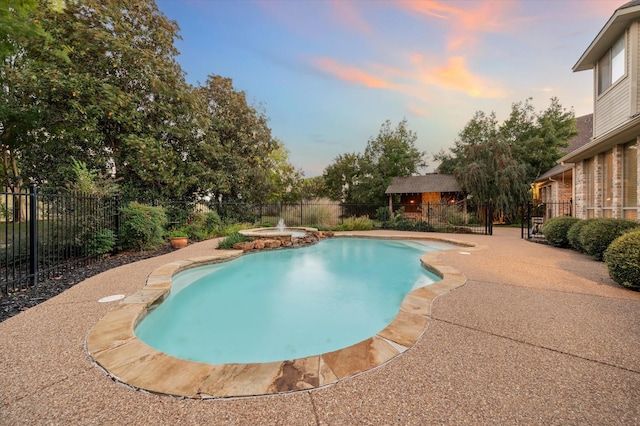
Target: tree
479, 130
118, 103
364, 178
490, 172
537, 139
284, 178
233, 153
342, 177
500, 161
313, 187
391, 154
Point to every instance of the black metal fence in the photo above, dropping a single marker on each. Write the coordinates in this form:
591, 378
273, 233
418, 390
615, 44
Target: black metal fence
43, 231
535, 215
458, 217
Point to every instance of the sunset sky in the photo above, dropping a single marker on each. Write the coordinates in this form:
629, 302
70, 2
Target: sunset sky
329, 73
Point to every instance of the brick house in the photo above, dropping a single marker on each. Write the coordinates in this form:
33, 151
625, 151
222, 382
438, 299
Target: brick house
605, 170
554, 188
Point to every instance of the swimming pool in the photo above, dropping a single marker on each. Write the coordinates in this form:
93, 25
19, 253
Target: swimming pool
112, 343
287, 304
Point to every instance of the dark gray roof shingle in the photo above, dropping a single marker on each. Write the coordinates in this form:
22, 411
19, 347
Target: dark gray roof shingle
427, 183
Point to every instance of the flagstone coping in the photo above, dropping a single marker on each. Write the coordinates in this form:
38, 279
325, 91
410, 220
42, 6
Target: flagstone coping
113, 345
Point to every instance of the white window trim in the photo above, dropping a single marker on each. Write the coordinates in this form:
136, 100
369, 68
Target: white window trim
612, 84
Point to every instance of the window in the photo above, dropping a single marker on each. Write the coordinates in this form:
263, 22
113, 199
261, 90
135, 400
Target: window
612, 66
630, 180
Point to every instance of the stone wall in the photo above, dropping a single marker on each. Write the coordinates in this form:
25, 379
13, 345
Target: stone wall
281, 241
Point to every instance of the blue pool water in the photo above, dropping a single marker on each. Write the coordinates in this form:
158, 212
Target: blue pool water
287, 304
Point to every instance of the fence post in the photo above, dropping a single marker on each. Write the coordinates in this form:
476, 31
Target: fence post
301, 223
529, 212
522, 215
490, 218
33, 234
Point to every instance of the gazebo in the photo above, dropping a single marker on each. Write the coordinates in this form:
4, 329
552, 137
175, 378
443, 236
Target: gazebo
419, 193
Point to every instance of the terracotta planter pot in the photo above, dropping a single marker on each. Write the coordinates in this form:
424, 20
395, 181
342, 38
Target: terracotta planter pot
179, 242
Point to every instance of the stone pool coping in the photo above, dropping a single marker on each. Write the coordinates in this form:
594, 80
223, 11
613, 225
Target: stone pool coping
113, 345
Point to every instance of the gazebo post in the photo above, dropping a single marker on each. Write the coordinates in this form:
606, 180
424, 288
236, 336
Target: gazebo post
391, 206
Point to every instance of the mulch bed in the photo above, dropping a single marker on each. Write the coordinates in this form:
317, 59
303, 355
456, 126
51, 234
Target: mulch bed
19, 301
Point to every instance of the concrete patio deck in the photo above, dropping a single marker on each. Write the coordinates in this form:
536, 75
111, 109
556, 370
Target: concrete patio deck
537, 335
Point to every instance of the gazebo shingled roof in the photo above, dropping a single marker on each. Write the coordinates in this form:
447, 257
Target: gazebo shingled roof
427, 183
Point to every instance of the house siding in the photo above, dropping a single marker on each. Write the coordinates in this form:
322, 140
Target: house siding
613, 107
599, 172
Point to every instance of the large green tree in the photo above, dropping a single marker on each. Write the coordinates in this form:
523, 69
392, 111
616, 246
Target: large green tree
284, 178
117, 102
233, 154
498, 161
391, 154
364, 178
342, 177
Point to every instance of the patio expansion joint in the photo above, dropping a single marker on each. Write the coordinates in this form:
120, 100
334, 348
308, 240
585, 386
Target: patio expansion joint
7, 402
533, 345
546, 290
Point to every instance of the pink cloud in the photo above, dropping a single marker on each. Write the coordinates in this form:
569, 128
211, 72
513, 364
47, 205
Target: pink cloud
419, 80
347, 13
466, 20
455, 75
351, 74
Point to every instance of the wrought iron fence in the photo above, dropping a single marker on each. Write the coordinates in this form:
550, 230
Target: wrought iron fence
43, 231
536, 214
458, 217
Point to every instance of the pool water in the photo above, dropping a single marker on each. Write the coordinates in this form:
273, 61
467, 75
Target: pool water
287, 304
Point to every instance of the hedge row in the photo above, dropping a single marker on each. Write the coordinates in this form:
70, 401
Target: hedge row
617, 241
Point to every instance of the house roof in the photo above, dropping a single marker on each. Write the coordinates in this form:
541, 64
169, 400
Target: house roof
613, 29
432, 182
584, 126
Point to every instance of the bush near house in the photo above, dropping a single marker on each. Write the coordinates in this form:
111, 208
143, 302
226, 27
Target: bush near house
555, 230
573, 234
623, 260
596, 235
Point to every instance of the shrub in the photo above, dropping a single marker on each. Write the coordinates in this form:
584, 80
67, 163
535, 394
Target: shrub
142, 226
322, 212
596, 235
212, 221
232, 239
456, 218
100, 243
555, 230
382, 214
573, 234
233, 228
361, 223
623, 259
423, 227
